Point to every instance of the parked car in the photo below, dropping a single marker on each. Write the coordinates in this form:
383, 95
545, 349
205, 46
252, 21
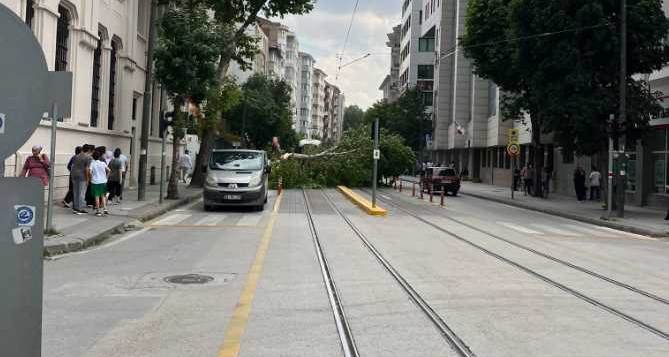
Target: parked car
441, 178
237, 178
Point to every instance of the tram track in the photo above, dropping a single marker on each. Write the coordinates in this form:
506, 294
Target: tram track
456, 343
595, 302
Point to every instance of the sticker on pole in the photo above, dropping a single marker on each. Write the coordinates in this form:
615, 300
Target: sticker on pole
377, 154
25, 215
22, 235
3, 120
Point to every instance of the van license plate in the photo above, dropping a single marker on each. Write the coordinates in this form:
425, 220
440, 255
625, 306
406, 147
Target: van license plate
232, 197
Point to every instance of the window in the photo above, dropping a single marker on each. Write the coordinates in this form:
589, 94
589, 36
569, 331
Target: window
30, 12
484, 158
426, 45
134, 107
425, 71
492, 99
95, 90
427, 98
143, 17
62, 39
420, 17
112, 85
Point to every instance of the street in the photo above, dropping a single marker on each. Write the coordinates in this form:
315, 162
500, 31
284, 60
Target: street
473, 278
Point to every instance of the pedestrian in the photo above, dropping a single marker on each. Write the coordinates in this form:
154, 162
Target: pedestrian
579, 183
124, 161
523, 175
67, 201
595, 184
115, 178
109, 155
185, 165
516, 178
37, 165
80, 175
546, 176
99, 173
531, 174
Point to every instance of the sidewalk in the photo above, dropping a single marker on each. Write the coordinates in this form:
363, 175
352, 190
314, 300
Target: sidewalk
79, 232
640, 220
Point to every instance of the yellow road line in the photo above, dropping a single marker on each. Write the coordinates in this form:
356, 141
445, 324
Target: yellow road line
202, 226
235, 330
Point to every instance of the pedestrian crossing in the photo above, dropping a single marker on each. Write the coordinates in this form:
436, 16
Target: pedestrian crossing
567, 230
194, 220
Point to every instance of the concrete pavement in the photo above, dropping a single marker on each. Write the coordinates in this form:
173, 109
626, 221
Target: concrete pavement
114, 300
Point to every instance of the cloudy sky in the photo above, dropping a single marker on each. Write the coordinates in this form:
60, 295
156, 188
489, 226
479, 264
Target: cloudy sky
323, 31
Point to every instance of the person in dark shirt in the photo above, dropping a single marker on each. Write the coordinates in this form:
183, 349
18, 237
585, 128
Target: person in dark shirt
67, 201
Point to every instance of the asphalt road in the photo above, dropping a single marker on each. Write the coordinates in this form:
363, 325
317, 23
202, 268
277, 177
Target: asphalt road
505, 281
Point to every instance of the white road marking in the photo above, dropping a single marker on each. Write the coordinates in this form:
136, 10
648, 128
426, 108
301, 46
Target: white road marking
558, 231
631, 235
103, 246
172, 219
579, 228
519, 228
386, 197
210, 220
250, 220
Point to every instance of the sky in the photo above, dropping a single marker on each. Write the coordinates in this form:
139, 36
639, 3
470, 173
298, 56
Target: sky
322, 33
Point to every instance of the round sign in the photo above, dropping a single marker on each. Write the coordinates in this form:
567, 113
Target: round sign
25, 215
513, 150
23, 89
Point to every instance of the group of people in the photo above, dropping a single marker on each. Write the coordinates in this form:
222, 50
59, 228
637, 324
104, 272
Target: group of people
527, 174
97, 177
594, 181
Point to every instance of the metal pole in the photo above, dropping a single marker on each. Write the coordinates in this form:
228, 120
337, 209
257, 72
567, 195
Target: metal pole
52, 169
147, 106
513, 176
244, 109
623, 105
376, 162
609, 175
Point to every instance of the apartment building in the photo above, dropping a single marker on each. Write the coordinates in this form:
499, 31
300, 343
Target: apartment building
305, 98
333, 117
391, 83
103, 43
318, 103
260, 62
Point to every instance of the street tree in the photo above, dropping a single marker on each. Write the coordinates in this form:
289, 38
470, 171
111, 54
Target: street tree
353, 117
557, 63
264, 111
236, 16
186, 55
406, 117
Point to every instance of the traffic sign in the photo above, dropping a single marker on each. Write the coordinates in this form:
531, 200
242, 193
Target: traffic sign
377, 154
513, 150
513, 137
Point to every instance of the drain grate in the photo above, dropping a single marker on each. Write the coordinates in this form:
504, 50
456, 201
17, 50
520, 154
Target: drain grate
189, 279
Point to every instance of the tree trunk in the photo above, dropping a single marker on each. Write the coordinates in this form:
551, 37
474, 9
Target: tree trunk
207, 142
173, 186
538, 154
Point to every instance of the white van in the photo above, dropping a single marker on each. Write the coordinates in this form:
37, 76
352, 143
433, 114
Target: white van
237, 178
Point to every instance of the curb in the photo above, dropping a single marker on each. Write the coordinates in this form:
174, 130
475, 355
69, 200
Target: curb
575, 217
73, 243
361, 202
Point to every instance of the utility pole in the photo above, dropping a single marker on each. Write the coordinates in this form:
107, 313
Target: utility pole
375, 174
147, 105
52, 169
623, 108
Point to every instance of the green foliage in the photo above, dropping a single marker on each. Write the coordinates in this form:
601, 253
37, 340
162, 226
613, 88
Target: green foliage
354, 117
263, 112
353, 169
405, 117
567, 81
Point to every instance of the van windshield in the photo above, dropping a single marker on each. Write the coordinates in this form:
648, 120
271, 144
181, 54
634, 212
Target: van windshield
236, 161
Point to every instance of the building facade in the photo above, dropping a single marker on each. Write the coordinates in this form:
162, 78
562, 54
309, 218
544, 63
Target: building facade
305, 97
260, 62
391, 84
318, 103
333, 118
104, 44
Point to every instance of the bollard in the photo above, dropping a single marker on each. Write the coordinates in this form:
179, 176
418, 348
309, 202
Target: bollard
421, 192
413, 189
152, 176
400, 185
442, 197
431, 193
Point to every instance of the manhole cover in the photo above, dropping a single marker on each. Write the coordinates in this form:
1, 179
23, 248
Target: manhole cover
189, 279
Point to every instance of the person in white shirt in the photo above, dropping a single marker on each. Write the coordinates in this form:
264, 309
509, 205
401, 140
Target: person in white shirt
185, 165
595, 181
124, 170
99, 172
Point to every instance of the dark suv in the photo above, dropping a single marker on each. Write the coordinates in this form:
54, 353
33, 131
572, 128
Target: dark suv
441, 178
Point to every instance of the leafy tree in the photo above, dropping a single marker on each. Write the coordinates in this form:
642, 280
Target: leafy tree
406, 117
263, 112
236, 16
187, 49
557, 63
353, 117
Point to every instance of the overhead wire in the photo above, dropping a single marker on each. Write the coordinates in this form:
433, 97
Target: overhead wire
348, 34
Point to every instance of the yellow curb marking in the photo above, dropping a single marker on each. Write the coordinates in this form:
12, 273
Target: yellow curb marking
202, 226
362, 202
235, 330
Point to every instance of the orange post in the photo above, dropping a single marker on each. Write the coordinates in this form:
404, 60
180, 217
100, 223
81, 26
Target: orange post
400, 185
413, 189
431, 193
442, 197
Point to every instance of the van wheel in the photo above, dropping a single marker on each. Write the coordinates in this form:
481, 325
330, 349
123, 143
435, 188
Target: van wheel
265, 198
208, 208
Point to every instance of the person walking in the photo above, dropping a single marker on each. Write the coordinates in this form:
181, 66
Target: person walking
37, 165
124, 161
579, 183
595, 179
67, 201
80, 175
525, 177
531, 174
185, 165
99, 173
516, 178
115, 178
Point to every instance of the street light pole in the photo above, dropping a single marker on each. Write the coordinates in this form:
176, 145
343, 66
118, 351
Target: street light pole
375, 174
147, 105
623, 107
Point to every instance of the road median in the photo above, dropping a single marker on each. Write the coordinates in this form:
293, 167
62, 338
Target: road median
362, 202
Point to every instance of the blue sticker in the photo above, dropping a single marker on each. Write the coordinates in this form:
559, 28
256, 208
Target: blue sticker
25, 215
